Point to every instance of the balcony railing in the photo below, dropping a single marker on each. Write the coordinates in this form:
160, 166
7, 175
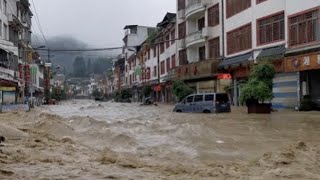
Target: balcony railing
201, 69
192, 37
194, 6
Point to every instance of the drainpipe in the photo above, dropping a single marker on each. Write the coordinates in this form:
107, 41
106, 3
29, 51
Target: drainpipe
223, 31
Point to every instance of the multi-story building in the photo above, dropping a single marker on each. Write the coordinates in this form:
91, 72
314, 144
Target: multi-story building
200, 44
160, 58
134, 36
240, 33
15, 49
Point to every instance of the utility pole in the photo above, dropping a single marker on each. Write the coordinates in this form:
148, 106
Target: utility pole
49, 61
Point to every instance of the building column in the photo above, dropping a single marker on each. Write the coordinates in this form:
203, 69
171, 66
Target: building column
235, 94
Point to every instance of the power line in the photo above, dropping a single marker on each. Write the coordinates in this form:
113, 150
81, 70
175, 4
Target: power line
38, 23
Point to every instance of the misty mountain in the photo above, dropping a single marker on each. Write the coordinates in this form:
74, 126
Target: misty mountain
66, 59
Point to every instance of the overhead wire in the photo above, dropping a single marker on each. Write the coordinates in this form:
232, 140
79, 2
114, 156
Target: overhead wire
39, 24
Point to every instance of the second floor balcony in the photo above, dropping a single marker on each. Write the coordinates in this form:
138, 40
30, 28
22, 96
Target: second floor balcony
197, 70
194, 38
195, 7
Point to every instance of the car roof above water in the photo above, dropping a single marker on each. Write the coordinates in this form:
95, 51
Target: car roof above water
206, 94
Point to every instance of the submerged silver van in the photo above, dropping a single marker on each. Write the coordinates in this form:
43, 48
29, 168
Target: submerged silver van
204, 103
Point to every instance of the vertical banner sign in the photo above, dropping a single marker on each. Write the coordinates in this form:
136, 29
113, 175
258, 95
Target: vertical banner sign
21, 76
27, 74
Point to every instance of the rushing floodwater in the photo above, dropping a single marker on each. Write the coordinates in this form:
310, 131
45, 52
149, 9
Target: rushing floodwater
235, 136
93, 140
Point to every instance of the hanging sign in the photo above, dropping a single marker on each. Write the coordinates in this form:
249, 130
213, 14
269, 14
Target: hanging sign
224, 76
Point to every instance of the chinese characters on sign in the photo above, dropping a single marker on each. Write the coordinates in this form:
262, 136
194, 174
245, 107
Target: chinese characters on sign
302, 63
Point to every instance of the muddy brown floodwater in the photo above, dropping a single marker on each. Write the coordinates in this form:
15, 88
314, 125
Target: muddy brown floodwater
89, 140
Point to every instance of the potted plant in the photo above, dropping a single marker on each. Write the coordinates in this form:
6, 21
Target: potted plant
258, 90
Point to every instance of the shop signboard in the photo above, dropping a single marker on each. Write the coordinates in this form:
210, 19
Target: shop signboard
302, 62
8, 97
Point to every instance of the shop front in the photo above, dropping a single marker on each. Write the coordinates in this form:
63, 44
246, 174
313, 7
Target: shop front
307, 69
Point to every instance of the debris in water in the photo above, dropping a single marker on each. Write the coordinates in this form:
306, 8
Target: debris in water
220, 142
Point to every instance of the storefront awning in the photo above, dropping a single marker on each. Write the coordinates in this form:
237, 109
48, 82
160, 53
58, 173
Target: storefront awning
273, 52
236, 60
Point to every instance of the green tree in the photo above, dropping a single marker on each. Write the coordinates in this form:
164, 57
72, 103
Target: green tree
181, 90
259, 86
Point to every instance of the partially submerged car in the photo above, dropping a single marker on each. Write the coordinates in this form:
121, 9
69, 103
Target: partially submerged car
204, 103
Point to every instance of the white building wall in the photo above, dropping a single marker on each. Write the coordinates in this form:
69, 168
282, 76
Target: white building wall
257, 11
168, 53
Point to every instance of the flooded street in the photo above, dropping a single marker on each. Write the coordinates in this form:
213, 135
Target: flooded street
90, 140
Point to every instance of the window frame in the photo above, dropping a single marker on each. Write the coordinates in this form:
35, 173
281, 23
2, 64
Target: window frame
230, 7
249, 39
289, 26
212, 22
211, 42
259, 43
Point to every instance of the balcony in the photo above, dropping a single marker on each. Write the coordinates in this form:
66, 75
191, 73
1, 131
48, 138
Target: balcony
194, 38
197, 70
195, 7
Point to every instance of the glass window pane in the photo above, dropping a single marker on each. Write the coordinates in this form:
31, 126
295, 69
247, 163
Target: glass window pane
198, 98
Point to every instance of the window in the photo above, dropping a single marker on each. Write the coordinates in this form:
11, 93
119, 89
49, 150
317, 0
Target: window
0, 26
239, 39
161, 46
271, 29
209, 97
236, 6
173, 36
5, 7
198, 98
130, 79
173, 61
222, 98
260, 1
213, 16
181, 4
168, 64
167, 41
190, 99
155, 51
5, 32
202, 53
201, 24
304, 28
155, 71
214, 48
148, 53
183, 57
162, 70
182, 30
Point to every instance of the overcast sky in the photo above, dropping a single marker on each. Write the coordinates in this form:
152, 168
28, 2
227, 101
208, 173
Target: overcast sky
98, 22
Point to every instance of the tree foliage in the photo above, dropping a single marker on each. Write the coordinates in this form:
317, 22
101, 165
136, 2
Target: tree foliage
259, 86
147, 90
181, 90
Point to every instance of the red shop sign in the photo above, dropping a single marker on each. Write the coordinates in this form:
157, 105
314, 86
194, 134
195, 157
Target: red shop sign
224, 76
157, 88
